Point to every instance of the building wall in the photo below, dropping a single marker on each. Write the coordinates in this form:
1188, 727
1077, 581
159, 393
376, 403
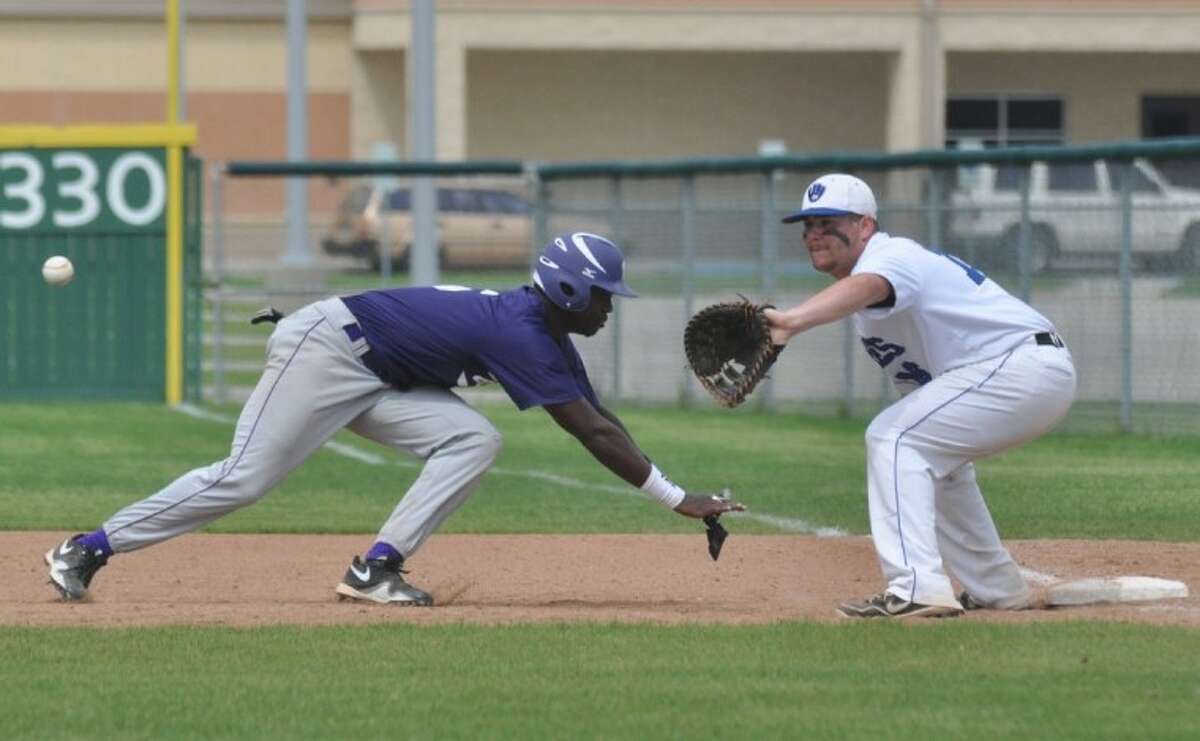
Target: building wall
1102, 92
645, 49
559, 105
378, 106
64, 71
585, 79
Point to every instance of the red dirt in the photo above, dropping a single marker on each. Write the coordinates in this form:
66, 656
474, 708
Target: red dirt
245, 580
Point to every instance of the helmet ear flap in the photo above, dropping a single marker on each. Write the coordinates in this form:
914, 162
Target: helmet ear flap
571, 264
573, 294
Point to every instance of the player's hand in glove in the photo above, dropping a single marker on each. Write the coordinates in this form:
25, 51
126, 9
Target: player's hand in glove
701, 506
730, 347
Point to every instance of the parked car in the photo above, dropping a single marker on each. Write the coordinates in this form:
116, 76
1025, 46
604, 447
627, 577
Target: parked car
1074, 211
477, 227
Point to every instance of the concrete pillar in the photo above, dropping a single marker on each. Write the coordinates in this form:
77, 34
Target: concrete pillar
917, 87
451, 68
904, 100
933, 77
915, 119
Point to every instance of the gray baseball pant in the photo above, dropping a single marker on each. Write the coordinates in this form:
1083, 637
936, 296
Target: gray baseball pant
314, 385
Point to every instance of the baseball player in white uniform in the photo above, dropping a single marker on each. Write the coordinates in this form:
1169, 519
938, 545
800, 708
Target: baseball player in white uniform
978, 370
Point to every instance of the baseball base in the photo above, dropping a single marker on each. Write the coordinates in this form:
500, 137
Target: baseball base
1114, 589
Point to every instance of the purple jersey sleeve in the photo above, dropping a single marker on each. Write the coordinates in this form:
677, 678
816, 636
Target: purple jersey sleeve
536, 370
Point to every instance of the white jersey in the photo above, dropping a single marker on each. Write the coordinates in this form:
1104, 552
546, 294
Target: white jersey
946, 314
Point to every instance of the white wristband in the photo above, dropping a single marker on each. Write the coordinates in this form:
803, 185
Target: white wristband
662, 490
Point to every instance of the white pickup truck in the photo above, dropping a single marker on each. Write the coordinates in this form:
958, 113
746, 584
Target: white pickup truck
1074, 211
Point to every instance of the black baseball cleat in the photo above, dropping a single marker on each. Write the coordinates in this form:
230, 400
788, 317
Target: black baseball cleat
970, 603
890, 606
72, 567
380, 580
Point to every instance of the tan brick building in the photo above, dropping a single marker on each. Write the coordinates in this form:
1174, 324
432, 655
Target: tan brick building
591, 79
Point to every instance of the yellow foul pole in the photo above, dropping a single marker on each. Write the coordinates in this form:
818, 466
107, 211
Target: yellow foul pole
174, 277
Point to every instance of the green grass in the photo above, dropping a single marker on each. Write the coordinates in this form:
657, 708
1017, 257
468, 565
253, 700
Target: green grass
1065, 485
68, 466
1061, 681
1186, 287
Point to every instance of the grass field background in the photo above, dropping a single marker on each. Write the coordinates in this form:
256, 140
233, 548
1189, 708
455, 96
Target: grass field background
68, 466
786, 465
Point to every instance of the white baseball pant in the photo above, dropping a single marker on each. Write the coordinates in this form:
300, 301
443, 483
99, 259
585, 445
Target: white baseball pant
314, 385
927, 513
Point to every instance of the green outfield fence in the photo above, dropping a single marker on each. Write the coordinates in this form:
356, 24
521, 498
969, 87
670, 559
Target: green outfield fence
104, 335
1104, 239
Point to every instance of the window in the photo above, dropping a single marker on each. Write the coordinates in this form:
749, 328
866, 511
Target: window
495, 201
399, 200
1036, 119
460, 200
1073, 177
356, 201
1173, 115
457, 199
980, 117
1141, 182
974, 121
1008, 177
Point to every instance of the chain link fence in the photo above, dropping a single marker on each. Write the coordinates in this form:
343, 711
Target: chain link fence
1096, 238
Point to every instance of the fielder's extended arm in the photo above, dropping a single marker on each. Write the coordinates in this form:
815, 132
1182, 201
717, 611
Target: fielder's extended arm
835, 302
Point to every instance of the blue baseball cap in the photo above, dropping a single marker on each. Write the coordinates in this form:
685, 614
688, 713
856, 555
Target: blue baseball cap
836, 194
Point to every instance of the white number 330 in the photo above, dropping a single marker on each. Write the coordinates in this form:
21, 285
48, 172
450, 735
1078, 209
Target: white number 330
77, 195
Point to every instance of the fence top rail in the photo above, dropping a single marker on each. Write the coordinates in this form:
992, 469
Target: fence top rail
933, 158
338, 168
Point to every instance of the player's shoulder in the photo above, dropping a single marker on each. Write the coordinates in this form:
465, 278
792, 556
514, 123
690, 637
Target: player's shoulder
518, 312
888, 243
884, 249
448, 294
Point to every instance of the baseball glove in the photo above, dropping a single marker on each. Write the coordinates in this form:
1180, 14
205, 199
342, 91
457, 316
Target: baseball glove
729, 348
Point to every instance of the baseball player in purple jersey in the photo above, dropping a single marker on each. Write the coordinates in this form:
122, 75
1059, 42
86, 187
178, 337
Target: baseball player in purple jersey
979, 372
383, 364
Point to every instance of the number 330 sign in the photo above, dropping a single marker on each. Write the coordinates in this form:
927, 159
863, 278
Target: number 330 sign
70, 189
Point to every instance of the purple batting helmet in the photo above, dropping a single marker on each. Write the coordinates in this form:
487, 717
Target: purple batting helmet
574, 262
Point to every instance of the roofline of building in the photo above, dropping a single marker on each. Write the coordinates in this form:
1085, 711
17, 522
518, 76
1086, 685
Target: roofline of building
210, 9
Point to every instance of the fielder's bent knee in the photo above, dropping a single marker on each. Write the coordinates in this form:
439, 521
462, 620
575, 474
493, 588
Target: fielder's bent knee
881, 433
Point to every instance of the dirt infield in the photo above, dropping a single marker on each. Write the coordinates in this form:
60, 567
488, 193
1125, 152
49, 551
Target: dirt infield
244, 580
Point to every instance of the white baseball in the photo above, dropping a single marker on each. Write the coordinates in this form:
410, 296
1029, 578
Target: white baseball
58, 270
